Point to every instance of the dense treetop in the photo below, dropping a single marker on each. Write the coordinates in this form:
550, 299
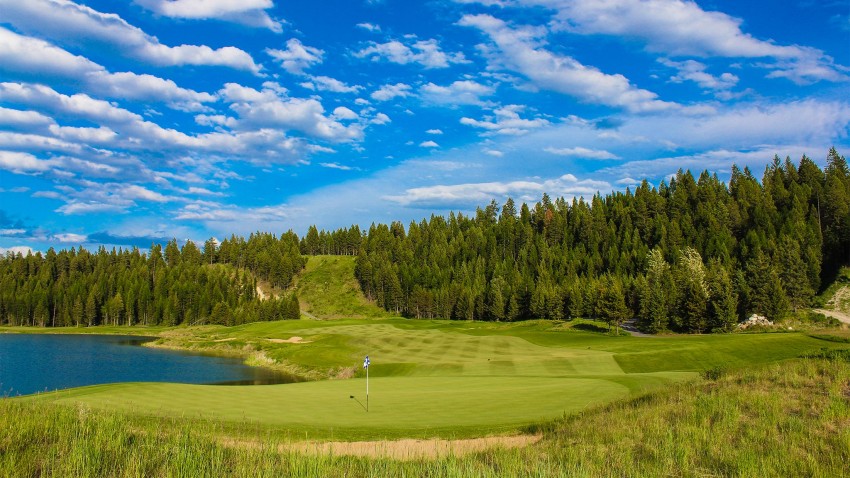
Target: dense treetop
692, 255
166, 286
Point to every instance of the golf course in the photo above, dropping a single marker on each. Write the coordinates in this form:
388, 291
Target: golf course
448, 398
428, 378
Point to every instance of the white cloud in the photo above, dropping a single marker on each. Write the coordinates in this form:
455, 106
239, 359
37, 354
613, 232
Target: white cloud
480, 193
135, 133
31, 56
692, 70
343, 113
434, 131
22, 163
424, 52
371, 27
521, 50
71, 237
381, 118
297, 57
429, 144
326, 83
22, 250
463, 92
63, 19
266, 109
341, 167
388, 92
19, 118
246, 12
580, 152
683, 28
494, 152
506, 121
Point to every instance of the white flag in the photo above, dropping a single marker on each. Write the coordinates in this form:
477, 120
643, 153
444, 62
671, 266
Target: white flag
366, 362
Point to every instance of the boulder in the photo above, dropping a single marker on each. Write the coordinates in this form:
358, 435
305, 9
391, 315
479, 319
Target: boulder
755, 319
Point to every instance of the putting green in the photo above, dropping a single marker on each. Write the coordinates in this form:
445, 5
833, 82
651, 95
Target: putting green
435, 377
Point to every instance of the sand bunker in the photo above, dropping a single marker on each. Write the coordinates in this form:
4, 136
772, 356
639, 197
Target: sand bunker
406, 449
410, 449
291, 340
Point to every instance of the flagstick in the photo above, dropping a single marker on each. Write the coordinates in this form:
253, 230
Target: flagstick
367, 389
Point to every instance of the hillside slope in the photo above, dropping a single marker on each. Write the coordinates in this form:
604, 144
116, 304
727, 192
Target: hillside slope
327, 289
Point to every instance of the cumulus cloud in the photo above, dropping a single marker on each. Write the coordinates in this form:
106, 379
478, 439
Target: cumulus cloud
521, 50
370, 27
381, 118
326, 83
63, 19
579, 152
426, 53
388, 92
683, 28
297, 57
341, 167
250, 13
134, 133
692, 70
429, 144
31, 56
434, 131
463, 92
268, 109
479, 193
343, 113
506, 121
22, 163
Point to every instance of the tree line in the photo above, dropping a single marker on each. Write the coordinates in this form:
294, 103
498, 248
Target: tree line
167, 286
694, 255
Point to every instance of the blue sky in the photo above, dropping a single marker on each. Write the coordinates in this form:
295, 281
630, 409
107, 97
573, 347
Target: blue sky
123, 123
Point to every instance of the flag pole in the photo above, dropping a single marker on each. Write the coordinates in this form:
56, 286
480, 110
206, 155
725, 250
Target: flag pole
367, 389
366, 366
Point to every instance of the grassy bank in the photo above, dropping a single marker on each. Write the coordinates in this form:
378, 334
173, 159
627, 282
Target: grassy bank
785, 419
327, 289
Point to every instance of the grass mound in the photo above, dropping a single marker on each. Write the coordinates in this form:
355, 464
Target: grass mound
327, 289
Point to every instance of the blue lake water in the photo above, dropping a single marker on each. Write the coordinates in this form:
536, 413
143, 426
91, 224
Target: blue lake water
37, 363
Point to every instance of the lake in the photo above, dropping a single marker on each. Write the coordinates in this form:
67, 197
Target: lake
37, 363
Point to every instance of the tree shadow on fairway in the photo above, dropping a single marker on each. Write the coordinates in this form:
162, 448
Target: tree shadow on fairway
591, 328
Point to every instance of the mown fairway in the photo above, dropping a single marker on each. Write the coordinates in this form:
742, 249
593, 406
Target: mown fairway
434, 377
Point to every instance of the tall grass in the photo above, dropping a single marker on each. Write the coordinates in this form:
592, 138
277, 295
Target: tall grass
786, 419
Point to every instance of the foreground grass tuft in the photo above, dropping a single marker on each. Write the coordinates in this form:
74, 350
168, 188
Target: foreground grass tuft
786, 419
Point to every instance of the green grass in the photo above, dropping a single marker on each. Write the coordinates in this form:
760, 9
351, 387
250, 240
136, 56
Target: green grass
784, 419
433, 378
327, 289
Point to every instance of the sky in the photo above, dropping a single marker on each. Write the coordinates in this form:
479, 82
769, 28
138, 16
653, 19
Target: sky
127, 123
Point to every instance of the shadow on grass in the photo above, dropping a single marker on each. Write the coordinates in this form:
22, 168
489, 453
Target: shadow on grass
591, 328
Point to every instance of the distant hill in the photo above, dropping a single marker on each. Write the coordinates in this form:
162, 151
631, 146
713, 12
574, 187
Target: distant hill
327, 289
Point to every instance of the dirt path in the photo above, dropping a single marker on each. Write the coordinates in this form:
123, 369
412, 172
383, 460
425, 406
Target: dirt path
841, 316
406, 449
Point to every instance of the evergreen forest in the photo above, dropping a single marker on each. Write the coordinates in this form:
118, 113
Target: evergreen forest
695, 255
164, 287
